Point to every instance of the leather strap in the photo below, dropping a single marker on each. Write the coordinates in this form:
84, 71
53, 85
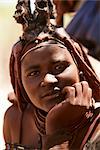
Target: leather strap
91, 128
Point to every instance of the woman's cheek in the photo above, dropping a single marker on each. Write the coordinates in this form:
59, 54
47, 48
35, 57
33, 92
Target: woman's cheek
69, 75
28, 85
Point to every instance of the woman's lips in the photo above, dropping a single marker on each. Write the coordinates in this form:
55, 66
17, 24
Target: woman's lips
55, 96
52, 93
51, 96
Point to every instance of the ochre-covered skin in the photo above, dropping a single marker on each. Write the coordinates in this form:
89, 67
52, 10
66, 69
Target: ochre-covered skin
53, 83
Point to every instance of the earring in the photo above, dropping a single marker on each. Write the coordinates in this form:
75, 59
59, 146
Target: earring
81, 75
42, 84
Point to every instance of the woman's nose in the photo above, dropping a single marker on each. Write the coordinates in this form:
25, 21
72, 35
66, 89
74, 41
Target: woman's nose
49, 78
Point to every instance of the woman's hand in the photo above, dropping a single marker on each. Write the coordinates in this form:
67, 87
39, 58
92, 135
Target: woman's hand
64, 117
79, 94
78, 99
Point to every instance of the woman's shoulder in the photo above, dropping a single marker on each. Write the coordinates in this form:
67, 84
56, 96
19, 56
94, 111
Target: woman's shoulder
11, 120
14, 119
12, 112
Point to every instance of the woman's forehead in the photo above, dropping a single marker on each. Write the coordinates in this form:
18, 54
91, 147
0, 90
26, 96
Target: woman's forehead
44, 47
45, 44
50, 53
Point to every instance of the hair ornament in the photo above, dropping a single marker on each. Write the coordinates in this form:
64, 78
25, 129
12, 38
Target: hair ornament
34, 22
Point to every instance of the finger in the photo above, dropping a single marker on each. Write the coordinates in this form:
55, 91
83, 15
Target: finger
90, 97
85, 87
88, 100
69, 94
93, 103
78, 93
78, 89
87, 94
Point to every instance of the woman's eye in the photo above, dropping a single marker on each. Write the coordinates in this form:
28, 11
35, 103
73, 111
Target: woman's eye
60, 67
34, 73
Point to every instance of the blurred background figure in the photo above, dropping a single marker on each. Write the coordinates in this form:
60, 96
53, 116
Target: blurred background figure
85, 27
85, 23
63, 6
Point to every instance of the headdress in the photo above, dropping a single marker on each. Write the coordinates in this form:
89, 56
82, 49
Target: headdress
37, 28
34, 22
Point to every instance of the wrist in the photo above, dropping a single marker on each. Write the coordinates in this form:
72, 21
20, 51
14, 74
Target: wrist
79, 129
55, 139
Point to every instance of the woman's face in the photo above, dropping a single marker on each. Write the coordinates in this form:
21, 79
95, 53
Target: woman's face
45, 71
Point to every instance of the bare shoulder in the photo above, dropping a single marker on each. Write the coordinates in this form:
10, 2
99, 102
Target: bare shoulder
11, 119
12, 113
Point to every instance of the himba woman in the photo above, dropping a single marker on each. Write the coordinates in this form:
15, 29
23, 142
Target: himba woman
55, 87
